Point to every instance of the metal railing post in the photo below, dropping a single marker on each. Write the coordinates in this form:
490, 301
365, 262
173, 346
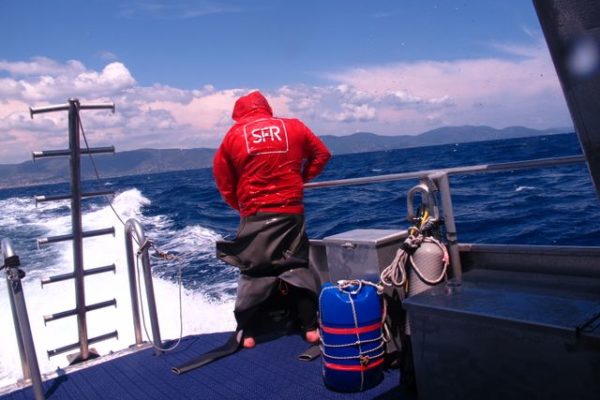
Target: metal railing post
75, 163
440, 177
443, 185
7, 252
473, 169
132, 226
135, 306
29, 363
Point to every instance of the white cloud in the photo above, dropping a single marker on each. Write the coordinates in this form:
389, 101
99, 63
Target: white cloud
351, 113
400, 98
175, 9
41, 66
382, 14
46, 80
340, 103
520, 89
157, 116
107, 55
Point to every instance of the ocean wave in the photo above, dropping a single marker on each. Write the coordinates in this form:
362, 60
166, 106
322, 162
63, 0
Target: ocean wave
206, 310
521, 188
182, 213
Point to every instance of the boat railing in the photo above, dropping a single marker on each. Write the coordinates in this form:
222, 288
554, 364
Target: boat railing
29, 363
135, 232
440, 180
463, 170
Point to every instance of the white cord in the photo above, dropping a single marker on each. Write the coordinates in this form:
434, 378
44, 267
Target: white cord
139, 285
163, 254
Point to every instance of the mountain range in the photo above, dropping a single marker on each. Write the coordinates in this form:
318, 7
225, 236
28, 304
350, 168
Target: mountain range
148, 161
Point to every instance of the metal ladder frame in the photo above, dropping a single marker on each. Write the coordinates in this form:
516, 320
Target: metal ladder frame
29, 363
74, 153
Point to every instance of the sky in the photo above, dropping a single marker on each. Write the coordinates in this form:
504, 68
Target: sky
175, 68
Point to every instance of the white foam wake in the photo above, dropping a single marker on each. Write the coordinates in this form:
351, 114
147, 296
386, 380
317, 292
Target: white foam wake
521, 188
201, 313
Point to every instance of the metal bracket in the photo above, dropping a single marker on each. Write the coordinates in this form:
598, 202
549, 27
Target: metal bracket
144, 247
427, 188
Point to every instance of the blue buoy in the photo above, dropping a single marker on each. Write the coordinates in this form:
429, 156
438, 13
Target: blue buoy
351, 334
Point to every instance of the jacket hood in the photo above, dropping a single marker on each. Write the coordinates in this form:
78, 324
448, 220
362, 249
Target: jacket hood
249, 104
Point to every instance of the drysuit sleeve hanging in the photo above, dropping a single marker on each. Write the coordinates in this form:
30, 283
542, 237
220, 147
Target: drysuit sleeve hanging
316, 154
225, 178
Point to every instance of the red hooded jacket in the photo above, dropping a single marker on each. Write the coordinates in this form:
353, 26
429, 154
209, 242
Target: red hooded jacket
263, 161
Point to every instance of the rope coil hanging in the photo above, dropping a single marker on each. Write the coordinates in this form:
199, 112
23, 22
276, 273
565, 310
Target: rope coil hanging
396, 275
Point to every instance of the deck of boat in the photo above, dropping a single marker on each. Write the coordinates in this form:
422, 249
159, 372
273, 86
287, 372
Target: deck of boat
269, 371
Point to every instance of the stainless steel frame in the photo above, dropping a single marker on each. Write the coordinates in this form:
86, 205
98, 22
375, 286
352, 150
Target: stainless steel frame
133, 227
509, 166
29, 363
74, 153
441, 179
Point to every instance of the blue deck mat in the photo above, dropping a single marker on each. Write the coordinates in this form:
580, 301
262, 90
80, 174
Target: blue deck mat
269, 371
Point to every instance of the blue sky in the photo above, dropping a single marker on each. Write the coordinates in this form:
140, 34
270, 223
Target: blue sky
174, 68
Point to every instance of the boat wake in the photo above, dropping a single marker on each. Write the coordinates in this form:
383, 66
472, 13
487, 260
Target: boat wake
206, 304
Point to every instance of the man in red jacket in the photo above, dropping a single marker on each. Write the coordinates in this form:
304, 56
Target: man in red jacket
260, 170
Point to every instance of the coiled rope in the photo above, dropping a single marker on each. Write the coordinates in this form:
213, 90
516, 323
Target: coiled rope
395, 274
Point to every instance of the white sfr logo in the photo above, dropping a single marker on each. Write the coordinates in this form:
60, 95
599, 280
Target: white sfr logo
266, 136
261, 135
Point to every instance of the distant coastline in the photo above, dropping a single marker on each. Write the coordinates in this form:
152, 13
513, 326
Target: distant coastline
149, 161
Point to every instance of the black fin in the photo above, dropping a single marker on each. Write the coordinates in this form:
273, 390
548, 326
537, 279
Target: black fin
233, 345
311, 353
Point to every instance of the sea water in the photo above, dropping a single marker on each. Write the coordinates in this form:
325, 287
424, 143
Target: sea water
182, 213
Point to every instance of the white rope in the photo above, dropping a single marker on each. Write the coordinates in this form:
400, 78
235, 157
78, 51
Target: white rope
162, 254
352, 288
343, 285
360, 352
356, 343
360, 356
139, 285
395, 274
